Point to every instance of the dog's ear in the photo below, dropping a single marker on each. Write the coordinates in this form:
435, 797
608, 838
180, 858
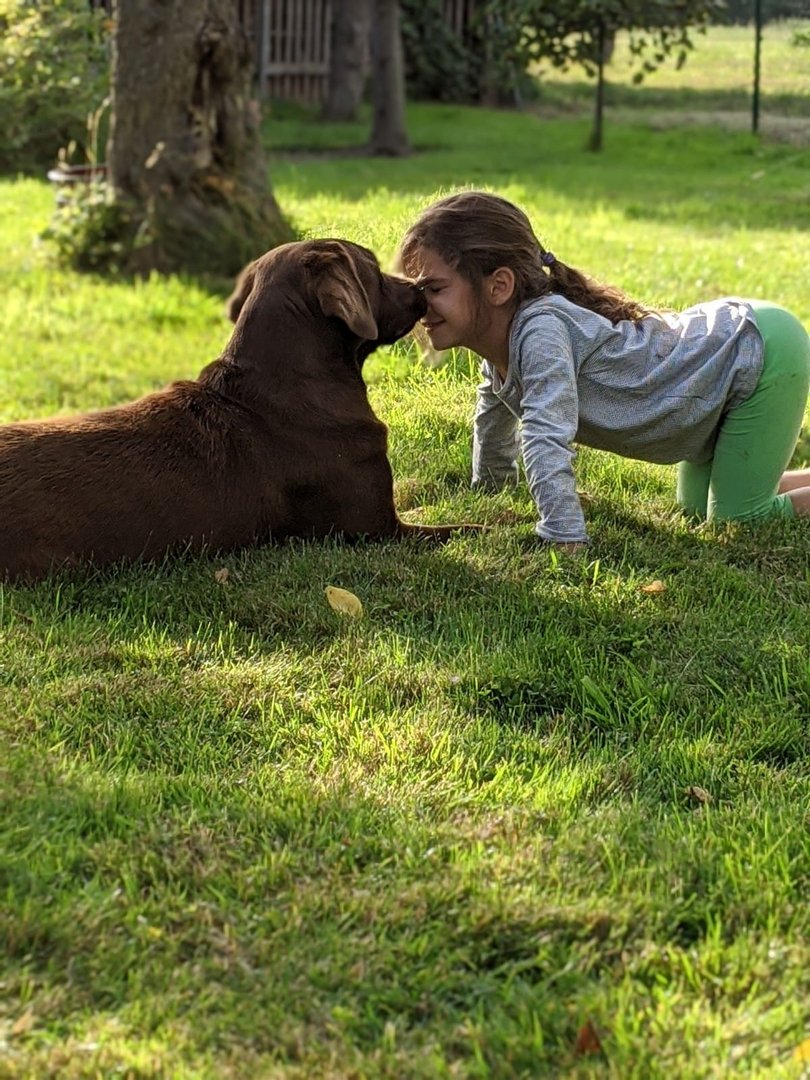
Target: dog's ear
241, 291
341, 293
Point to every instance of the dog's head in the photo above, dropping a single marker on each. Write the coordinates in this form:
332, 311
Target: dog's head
335, 279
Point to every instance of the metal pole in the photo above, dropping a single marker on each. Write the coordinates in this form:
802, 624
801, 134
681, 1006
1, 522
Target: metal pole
757, 53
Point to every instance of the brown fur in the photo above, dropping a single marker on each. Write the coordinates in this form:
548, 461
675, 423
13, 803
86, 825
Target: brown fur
274, 439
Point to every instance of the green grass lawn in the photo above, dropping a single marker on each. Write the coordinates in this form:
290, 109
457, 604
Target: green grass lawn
242, 837
715, 85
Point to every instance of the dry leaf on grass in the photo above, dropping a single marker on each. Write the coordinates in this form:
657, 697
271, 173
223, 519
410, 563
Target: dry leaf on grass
588, 1041
699, 794
802, 1052
23, 1024
653, 588
344, 602
222, 575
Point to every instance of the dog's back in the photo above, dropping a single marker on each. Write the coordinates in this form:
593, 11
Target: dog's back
125, 483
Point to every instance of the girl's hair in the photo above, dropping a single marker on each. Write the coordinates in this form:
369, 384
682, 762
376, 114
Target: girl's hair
475, 232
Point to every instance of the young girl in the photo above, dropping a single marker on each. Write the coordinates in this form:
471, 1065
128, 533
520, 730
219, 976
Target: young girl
720, 388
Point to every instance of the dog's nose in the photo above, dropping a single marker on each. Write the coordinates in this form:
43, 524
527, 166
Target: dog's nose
421, 302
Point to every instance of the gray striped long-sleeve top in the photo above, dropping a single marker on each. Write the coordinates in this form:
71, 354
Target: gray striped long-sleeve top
656, 390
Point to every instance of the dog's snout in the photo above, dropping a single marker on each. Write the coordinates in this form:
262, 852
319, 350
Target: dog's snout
420, 302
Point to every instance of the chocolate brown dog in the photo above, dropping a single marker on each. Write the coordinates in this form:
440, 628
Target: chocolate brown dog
274, 439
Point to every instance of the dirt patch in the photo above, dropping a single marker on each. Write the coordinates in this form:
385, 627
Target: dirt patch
794, 130
786, 129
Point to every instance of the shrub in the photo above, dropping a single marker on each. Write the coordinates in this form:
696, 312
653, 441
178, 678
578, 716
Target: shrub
89, 231
54, 71
439, 66
484, 64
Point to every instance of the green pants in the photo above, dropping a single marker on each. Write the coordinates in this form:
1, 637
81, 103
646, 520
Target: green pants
756, 439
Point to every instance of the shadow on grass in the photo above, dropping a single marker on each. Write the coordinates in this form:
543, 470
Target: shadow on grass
283, 912
240, 824
263, 921
519, 634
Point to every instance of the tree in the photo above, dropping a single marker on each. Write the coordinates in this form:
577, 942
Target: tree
348, 67
186, 164
388, 134
578, 33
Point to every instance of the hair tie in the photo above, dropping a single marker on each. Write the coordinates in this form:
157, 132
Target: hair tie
548, 259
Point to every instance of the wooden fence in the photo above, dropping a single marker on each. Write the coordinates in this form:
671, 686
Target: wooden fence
293, 48
291, 39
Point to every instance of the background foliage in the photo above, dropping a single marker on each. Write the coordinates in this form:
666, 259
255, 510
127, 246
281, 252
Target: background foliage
506, 36
742, 11
54, 72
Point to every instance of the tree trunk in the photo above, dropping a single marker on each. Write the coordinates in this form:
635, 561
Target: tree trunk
348, 64
388, 135
185, 157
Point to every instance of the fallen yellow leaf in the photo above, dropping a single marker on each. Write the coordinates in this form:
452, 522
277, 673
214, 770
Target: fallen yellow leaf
222, 575
653, 587
23, 1024
802, 1051
344, 602
699, 794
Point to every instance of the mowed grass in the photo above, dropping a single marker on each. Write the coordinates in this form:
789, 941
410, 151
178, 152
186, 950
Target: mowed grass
521, 799
715, 85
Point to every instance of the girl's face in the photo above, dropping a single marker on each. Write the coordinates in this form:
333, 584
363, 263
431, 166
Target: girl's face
453, 312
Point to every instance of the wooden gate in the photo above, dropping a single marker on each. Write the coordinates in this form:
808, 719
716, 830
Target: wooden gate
292, 43
293, 48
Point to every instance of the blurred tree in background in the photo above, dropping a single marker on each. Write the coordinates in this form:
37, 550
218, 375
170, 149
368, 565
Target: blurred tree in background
187, 166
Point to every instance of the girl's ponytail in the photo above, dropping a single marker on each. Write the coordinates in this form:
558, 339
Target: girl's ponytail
605, 300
